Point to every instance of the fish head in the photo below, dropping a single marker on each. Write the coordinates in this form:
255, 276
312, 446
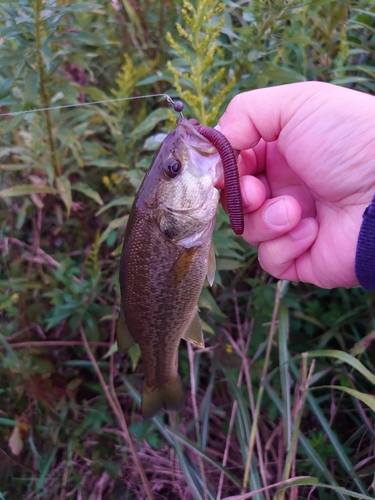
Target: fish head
180, 185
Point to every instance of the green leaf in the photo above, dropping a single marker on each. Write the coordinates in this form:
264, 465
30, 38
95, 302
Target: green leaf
134, 353
368, 399
8, 421
316, 459
283, 75
341, 452
346, 358
121, 221
46, 467
112, 469
150, 122
282, 485
344, 491
207, 328
302, 481
227, 264
82, 7
206, 300
192, 446
30, 90
112, 350
5, 86
65, 191
26, 190
89, 192
85, 38
125, 201
12, 166
362, 346
285, 379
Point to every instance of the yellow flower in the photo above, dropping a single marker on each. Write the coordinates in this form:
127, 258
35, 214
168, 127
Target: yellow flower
228, 348
106, 180
115, 178
15, 296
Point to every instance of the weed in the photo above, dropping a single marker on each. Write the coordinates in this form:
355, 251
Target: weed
280, 402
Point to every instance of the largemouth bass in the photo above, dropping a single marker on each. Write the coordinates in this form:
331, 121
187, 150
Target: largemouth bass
167, 254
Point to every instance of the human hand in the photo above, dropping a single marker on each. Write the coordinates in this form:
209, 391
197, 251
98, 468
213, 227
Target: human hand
307, 180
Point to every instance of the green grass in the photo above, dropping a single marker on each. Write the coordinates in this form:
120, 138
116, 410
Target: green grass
280, 403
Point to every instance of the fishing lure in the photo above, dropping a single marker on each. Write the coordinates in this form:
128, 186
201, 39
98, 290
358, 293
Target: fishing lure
229, 162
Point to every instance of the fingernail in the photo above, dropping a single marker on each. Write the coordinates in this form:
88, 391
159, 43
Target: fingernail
303, 230
276, 214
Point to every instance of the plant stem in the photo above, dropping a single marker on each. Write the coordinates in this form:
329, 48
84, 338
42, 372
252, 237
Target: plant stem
196, 415
280, 290
199, 71
300, 399
43, 90
117, 410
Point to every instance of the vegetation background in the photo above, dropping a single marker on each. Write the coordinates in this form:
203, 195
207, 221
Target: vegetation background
280, 404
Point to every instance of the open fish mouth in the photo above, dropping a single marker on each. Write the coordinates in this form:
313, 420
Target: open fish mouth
228, 157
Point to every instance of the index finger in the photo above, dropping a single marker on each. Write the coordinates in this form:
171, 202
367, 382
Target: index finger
263, 113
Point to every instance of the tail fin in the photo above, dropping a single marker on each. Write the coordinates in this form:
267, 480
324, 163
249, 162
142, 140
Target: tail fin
169, 396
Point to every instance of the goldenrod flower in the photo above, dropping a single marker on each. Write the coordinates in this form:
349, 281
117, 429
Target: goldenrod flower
228, 348
115, 178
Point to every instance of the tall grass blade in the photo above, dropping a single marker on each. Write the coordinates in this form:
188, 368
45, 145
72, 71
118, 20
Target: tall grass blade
319, 463
46, 469
189, 472
368, 399
346, 358
284, 372
190, 444
331, 435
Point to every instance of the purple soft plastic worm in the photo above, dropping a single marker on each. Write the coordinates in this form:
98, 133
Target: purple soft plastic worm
231, 177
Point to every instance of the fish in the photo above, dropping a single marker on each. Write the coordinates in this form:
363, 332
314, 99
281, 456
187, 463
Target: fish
167, 254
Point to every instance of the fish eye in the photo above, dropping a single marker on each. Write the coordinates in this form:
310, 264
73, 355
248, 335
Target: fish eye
172, 168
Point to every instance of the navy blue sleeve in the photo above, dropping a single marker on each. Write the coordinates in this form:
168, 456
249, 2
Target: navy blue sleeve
365, 253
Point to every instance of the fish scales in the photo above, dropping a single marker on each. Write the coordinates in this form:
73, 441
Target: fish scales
165, 259
150, 295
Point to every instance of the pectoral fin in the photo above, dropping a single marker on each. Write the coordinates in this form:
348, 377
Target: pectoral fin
182, 266
124, 340
211, 265
194, 332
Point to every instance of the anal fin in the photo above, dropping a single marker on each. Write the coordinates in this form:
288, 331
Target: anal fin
124, 339
194, 333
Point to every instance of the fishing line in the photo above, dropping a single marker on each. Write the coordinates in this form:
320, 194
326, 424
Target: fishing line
76, 105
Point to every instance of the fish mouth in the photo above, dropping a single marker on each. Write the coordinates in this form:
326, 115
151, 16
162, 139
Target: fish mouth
196, 148
191, 137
